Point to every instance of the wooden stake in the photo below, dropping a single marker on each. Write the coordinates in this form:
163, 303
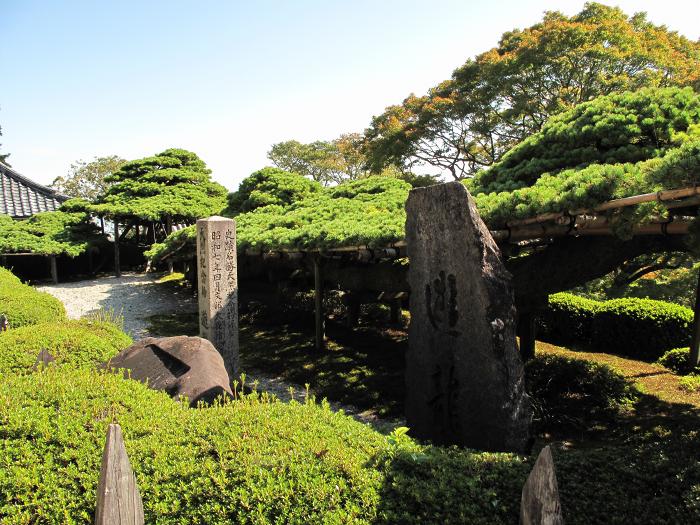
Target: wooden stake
318, 303
117, 266
118, 498
539, 503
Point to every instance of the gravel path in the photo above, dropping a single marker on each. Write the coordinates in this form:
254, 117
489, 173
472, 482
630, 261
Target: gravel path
137, 296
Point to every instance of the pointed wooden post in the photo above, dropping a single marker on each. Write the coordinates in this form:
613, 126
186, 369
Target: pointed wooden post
539, 503
117, 266
695, 341
118, 498
318, 306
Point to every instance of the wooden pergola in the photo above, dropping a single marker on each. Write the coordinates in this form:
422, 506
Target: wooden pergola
681, 205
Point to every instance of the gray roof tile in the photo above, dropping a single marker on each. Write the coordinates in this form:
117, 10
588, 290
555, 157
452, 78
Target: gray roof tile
21, 198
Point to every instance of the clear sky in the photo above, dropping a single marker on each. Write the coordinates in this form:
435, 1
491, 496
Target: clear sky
227, 79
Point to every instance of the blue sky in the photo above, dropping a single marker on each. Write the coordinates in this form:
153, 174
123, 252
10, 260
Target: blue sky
228, 79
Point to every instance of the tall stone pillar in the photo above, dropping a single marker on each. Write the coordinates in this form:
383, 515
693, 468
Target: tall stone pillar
218, 287
464, 374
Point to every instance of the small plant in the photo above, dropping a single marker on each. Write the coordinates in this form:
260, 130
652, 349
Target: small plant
690, 383
678, 360
107, 315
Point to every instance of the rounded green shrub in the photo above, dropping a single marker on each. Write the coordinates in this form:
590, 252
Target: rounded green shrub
678, 360
569, 318
247, 461
77, 343
568, 391
23, 305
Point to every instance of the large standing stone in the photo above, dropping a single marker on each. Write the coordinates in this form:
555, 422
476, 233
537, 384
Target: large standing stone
464, 375
218, 287
181, 366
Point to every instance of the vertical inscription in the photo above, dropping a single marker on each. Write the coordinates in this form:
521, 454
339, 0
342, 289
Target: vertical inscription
218, 287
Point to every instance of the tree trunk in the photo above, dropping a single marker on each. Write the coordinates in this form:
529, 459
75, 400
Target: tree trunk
117, 266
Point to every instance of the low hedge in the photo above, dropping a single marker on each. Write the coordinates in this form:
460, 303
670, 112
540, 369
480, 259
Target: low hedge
23, 305
78, 343
639, 328
247, 461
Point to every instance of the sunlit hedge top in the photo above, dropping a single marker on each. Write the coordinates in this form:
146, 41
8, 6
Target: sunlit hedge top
48, 233
173, 183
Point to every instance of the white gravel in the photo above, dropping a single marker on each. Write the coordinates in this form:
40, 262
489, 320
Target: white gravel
136, 297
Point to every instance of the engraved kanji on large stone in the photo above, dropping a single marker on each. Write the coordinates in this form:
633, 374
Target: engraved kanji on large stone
464, 374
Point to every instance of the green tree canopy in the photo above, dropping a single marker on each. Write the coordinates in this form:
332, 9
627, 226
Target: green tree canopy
174, 183
86, 180
48, 233
270, 186
615, 146
500, 97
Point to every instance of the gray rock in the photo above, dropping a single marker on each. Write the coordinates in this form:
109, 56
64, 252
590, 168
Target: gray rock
464, 374
180, 366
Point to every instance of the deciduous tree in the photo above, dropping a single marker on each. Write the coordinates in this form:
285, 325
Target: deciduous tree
500, 97
86, 180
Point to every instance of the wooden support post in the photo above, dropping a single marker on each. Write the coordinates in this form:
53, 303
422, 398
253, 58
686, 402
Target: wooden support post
395, 315
54, 269
118, 498
695, 341
318, 303
353, 304
527, 332
117, 266
102, 225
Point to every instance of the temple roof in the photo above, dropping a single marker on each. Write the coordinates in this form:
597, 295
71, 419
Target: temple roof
21, 198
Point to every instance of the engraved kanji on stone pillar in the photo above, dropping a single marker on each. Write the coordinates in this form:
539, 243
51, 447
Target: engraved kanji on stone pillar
218, 287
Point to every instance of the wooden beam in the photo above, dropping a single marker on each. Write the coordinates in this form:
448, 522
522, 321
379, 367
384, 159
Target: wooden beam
117, 265
318, 306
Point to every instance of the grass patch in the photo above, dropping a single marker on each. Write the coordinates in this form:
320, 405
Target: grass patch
690, 383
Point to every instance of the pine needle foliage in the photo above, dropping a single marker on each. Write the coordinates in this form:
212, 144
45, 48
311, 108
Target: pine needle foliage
614, 146
47, 233
173, 183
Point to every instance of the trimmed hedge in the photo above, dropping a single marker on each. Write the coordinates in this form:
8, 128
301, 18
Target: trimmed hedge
23, 305
639, 328
247, 461
77, 343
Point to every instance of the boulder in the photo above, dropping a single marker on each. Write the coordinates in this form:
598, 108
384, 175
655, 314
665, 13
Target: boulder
181, 366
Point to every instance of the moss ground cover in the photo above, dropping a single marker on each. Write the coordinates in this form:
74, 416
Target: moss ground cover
78, 343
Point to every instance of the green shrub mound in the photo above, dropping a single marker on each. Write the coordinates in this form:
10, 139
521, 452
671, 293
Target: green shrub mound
678, 360
639, 328
23, 305
247, 461
568, 391
75, 343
